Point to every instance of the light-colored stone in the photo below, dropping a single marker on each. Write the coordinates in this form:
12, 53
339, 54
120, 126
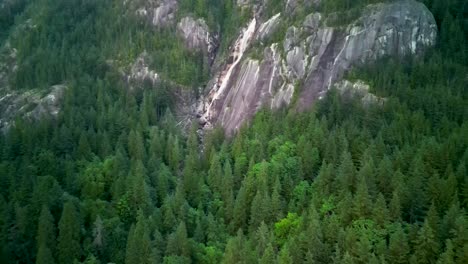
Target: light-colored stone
292, 38
358, 89
297, 62
312, 22
32, 104
140, 71
316, 56
197, 36
269, 27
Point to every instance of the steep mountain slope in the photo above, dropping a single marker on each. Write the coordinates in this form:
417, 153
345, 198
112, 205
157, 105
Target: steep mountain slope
153, 131
311, 58
272, 61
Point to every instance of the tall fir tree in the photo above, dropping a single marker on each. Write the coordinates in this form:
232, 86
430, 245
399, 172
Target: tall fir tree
68, 241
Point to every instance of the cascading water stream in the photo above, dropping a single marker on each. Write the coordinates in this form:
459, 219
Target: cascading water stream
240, 47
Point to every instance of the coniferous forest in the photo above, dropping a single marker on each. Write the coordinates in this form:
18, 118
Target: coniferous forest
114, 179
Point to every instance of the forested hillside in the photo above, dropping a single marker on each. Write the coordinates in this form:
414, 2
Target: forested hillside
115, 179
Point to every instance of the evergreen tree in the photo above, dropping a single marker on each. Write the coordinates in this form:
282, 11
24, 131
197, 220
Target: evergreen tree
44, 255
398, 248
284, 257
138, 243
178, 243
380, 213
448, 257
268, 257
46, 231
234, 249
68, 241
426, 248
362, 201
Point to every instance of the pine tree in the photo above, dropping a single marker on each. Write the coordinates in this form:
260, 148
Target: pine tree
169, 220
259, 209
84, 149
433, 220
384, 177
178, 243
262, 238
138, 243
398, 248
46, 230
68, 241
276, 202
362, 201
136, 148
215, 174
395, 207
139, 194
228, 191
426, 248
346, 177
363, 249
284, 257
44, 255
448, 257
240, 207
234, 249
268, 257
174, 153
460, 239
380, 212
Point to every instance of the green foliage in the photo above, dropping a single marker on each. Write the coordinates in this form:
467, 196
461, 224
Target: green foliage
287, 226
8, 11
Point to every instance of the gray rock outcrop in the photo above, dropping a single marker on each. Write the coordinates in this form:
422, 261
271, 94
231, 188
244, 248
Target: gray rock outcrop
32, 104
360, 90
317, 56
269, 27
140, 71
197, 37
394, 29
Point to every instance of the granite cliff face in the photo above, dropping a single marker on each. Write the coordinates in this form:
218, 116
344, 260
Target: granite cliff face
273, 62
315, 54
